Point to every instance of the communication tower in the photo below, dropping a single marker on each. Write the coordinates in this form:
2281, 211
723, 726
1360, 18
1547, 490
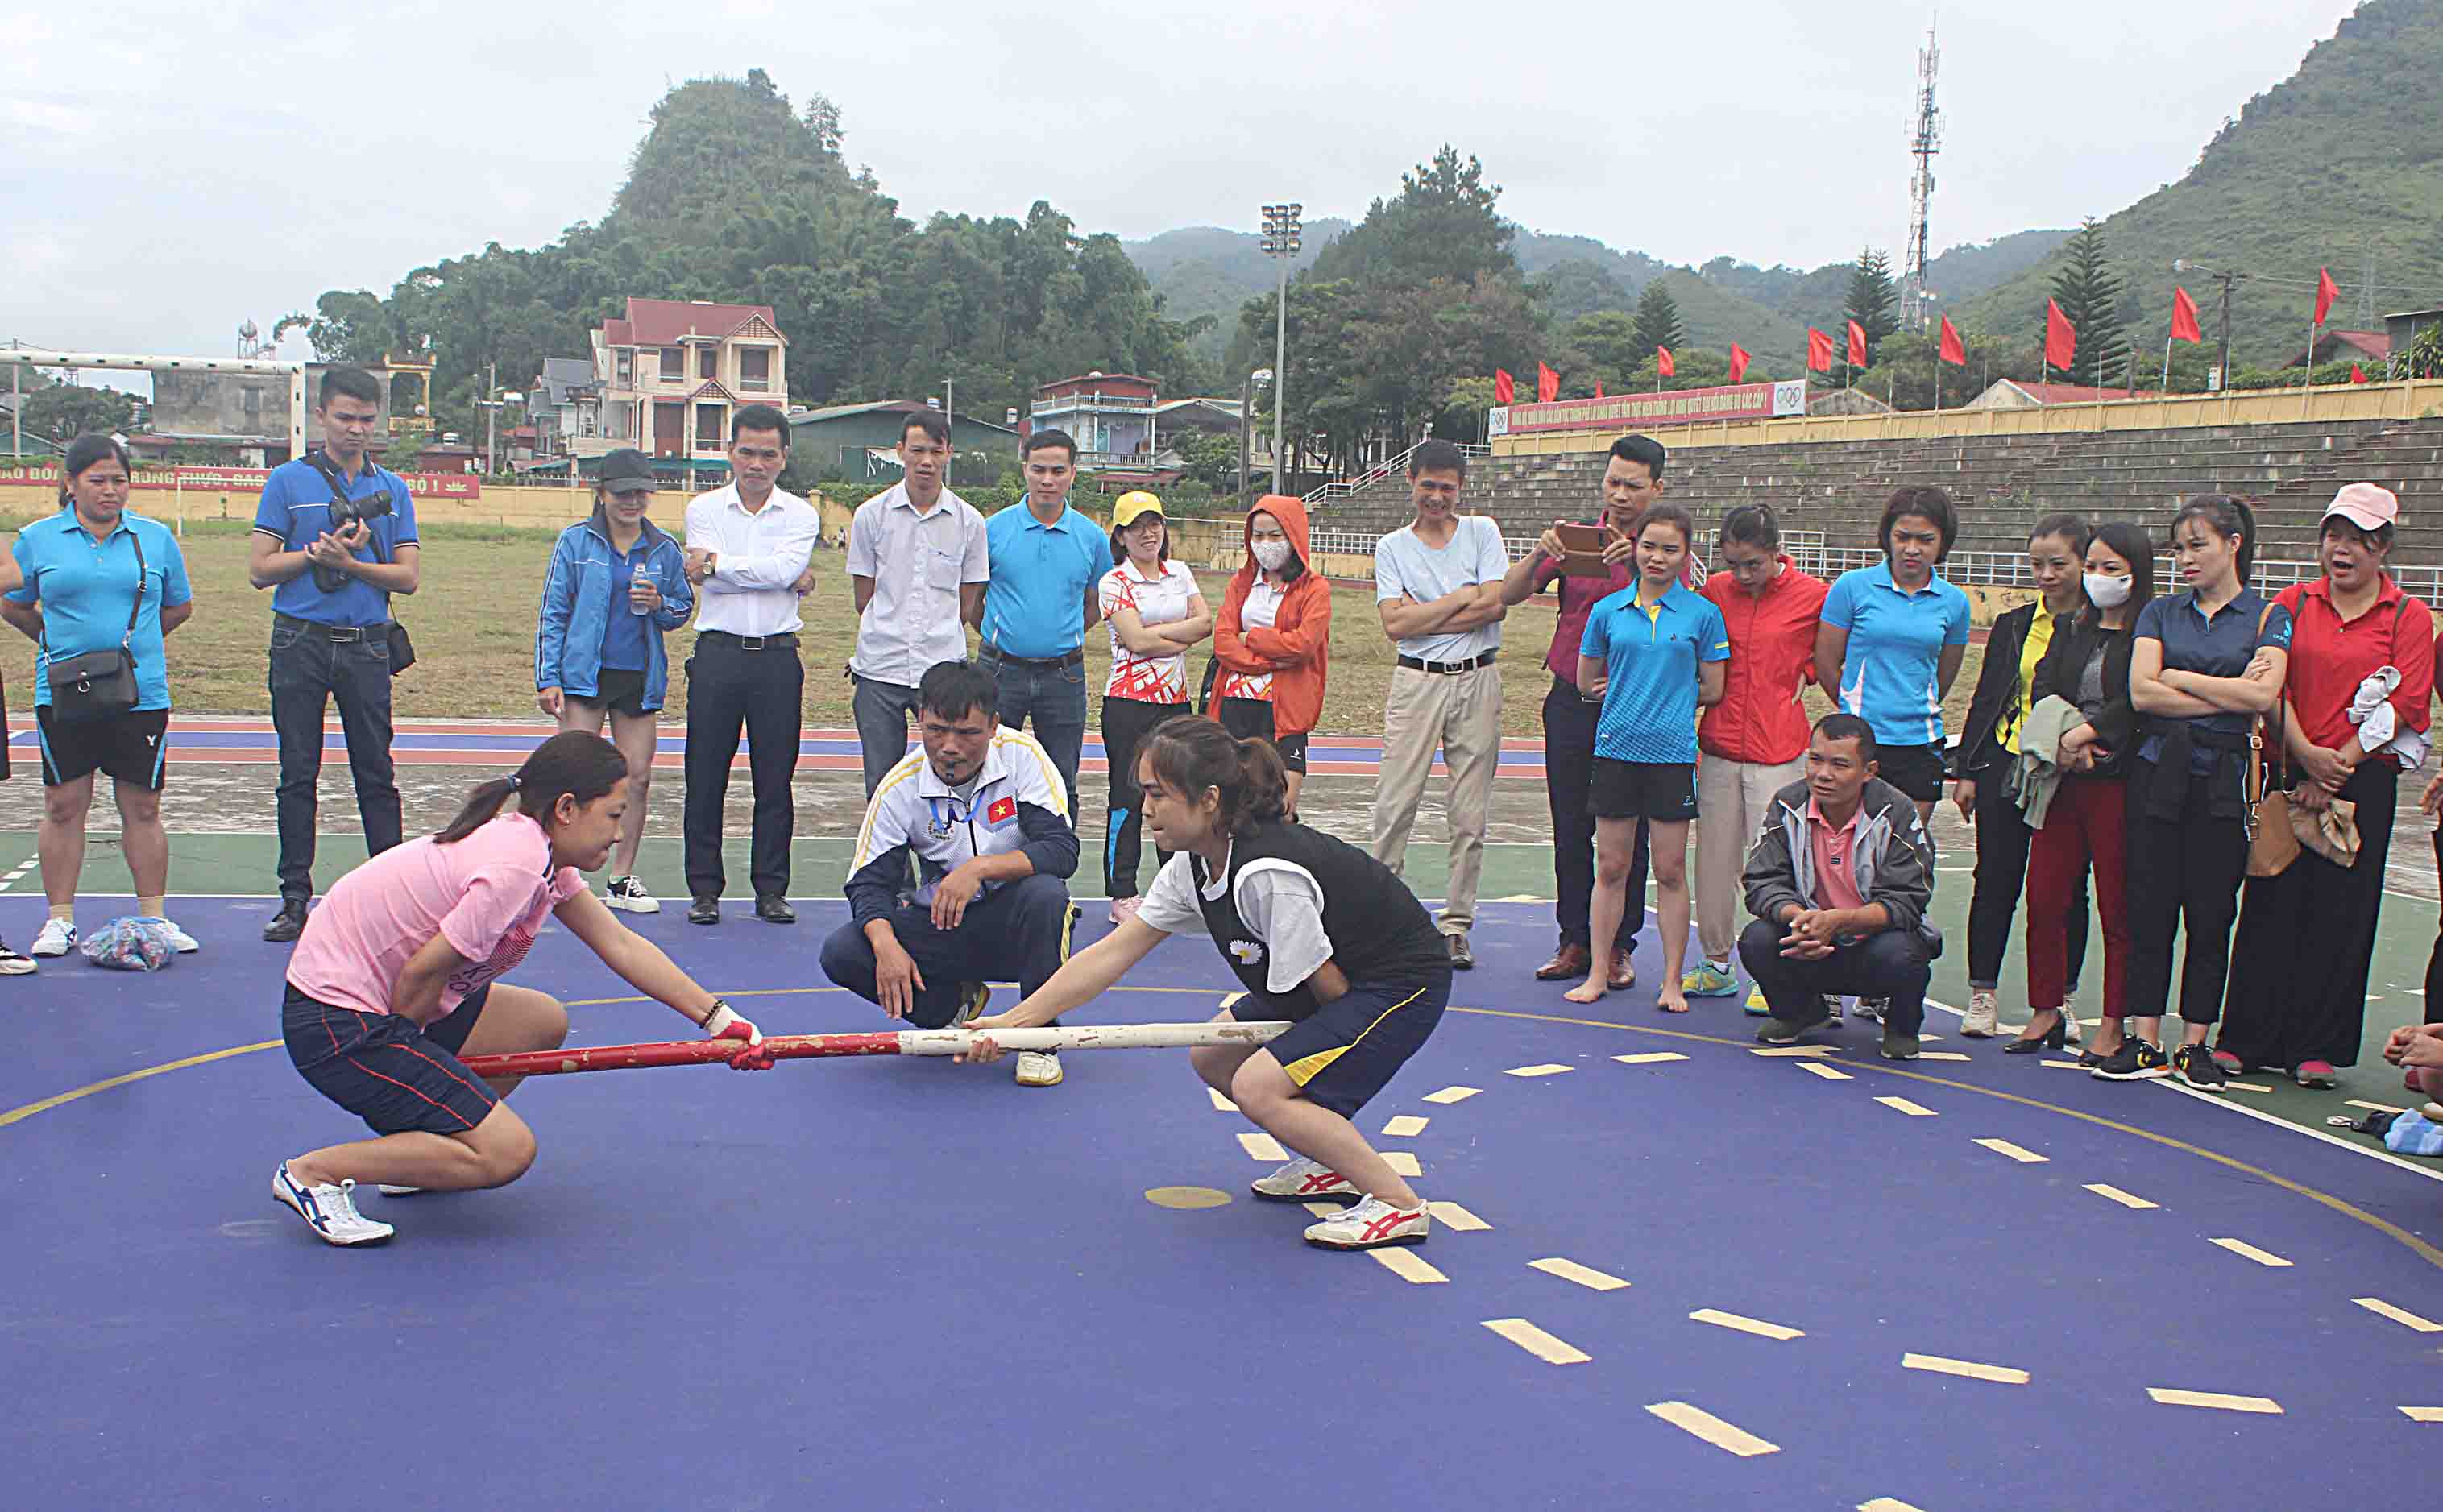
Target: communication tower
1923, 144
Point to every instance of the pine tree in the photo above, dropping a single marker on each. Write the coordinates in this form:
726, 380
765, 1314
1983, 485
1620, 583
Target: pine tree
1870, 301
2089, 295
1658, 321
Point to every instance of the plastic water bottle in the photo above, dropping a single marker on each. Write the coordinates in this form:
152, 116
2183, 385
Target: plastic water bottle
644, 578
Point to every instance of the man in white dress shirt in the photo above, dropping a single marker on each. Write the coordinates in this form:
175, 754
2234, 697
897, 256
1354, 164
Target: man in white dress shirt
747, 545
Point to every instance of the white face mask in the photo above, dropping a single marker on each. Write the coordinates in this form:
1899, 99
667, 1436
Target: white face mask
1271, 555
2108, 592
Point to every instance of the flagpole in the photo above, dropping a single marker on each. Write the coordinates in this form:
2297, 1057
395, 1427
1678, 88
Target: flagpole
2307, 373
2167, 365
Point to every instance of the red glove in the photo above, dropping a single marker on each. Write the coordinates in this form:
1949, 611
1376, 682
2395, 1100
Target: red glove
724, 1024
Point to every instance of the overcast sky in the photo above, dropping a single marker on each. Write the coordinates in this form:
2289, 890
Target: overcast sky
170, 169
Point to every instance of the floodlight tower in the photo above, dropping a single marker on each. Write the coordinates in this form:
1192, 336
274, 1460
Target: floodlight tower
1922, 146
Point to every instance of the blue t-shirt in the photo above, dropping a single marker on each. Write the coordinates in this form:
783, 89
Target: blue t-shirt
296, 508
1649, 708
2221, 647
1891, 670
1036, 605
623, 628
87, 586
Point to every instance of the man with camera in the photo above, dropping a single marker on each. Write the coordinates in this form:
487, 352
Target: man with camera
334, 538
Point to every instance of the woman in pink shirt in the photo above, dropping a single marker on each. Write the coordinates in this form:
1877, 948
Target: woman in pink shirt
397, 974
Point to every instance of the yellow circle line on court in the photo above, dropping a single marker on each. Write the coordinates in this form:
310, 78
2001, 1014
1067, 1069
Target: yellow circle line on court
2416, 1246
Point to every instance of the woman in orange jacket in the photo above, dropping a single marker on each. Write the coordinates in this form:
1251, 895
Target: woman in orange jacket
1275, 637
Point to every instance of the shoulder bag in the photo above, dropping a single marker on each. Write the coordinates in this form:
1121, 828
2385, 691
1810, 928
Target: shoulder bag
2273, 844
98, 683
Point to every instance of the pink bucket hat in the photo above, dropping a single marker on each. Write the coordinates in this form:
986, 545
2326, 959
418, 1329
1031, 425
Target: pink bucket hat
2365, 505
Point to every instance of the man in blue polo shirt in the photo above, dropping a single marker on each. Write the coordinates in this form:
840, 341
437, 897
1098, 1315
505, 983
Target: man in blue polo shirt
1046, 561
330, 624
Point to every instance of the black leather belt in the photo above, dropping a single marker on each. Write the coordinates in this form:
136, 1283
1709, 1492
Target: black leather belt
1037, 664
337, 634
750, 642
1449, 668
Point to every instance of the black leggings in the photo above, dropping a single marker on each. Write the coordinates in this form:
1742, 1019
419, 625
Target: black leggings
2184, 877
1125, 723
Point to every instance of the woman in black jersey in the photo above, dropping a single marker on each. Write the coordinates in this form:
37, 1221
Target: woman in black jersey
1318, 931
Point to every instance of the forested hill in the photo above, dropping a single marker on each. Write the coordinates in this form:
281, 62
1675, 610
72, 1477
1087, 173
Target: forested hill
2344, 157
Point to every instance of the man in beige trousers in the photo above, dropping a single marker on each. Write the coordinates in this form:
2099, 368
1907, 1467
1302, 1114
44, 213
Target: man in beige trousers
1437, 586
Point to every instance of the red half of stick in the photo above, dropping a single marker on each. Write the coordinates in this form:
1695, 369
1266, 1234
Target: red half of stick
676, 1053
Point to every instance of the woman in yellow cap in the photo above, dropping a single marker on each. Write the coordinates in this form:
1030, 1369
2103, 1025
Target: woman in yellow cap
1155, 612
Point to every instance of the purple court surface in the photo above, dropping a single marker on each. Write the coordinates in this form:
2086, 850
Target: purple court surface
1704, 1278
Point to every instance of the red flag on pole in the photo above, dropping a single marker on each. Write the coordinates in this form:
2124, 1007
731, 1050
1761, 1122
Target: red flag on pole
1819, 350
1599, 394
1504, 390
1548, 384
1953, 351
2326, 292
1663, 360
1738, 362
1857, 345
2184, 317
2358, 375
2061, 338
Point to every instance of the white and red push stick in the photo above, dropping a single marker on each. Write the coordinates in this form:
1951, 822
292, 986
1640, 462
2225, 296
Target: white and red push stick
911, 1042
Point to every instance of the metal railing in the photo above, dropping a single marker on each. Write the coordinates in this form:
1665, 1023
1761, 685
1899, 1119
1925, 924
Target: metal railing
1061, 404
1392, 468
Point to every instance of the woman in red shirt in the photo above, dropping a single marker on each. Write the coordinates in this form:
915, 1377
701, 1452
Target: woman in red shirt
2360, 677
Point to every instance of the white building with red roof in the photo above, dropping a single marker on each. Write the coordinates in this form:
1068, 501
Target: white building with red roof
672, 372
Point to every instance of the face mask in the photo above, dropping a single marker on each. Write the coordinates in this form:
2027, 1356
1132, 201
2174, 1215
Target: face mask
1271, 555
2108, 592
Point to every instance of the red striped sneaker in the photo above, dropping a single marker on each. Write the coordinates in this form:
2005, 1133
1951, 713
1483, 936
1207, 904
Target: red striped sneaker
1303, 1180
1371, 1225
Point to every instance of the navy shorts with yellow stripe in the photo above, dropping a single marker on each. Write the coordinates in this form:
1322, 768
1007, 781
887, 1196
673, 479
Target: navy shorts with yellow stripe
385, 1070
1346, 1051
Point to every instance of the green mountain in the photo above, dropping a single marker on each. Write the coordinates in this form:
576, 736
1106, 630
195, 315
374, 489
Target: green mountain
2337, 166
1208, 270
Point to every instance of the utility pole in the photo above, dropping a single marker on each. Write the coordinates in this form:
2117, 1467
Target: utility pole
2182, 264
491, 417
1281, 242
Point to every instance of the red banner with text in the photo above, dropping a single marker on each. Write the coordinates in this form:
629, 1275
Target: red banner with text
1673, 407
249, 479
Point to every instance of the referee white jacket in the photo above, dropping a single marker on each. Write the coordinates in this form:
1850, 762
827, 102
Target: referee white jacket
1017, 802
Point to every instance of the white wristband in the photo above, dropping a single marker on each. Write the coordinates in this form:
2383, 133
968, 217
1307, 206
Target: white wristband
720, 1018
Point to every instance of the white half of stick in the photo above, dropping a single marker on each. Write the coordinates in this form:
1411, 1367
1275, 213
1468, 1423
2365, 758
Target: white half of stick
1094, 1037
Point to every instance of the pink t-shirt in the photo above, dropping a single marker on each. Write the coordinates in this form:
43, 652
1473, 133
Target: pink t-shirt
487, 894
1834, 885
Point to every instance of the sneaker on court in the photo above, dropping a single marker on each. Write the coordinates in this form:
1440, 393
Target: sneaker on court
1039, 1069
1303, 1180
629, 894
56, 937
2136, 1061
329, 1211
1899, 1046
1870, 1008
1983, 1020
2232, 1064
2195, 1066
1833, 1010
1371, 1225
1709, 980
972, 998
2317, 1074
181, 941
13, 964
2069, 1021
1757, 1007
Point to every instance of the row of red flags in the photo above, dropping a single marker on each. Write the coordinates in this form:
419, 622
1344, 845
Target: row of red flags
2061, 345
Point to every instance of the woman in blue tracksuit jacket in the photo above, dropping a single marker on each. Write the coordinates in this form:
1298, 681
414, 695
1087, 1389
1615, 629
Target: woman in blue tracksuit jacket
617, 583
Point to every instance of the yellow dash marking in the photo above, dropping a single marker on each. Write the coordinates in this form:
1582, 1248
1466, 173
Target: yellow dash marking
1403, 1163
2246, 1086
2061, 1065
1186, 1199
1408, 1266
1548, 1068
2114, 1193
1452, 1094
1902, 1104
1585, 1276
2374, 1108
1968, 1368
1887, 1504
1746, 1325
2171, 1397
2423, 1414
1819, 1068
1777, 1051
1262, 1147
2249, 1251
1940, 1055
1230, 998
1403, 1125
2401, 1316
1535, 1341
1326, 1209
2004, 1147
1650, 1057
1713, 1429
1221, 1103
1457, 1219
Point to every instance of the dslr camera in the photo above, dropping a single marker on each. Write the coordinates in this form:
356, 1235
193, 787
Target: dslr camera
346, 512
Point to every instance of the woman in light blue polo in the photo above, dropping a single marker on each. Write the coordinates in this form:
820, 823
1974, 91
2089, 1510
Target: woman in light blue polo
98, 579
1892, 638
616, 584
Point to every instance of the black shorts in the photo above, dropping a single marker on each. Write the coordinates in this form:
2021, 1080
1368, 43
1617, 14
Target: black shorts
1915, 769
1344, 1051
1252, 720
1665, 792
385, 1070
621, 692
130, 747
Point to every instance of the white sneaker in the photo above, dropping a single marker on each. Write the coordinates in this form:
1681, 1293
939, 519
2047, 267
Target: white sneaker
1303, 1180
1871, 1009
1982, 1020
13, 964
1039, 1069
629, 894
329, 1211
179, 937
58, 936
2070, 1022
1370, 1224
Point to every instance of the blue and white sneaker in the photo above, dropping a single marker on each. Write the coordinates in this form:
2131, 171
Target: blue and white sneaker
329, 1211
56, 937
181, 941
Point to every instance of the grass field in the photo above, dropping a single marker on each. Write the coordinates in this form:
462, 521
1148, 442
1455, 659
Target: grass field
475, 622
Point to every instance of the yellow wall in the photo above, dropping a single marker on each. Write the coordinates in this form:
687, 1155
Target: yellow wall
2362, 401
539, 508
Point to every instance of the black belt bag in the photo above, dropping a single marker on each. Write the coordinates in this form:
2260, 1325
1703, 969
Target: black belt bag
96, 685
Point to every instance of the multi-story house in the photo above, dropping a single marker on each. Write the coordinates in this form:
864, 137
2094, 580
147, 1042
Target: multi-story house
670, 375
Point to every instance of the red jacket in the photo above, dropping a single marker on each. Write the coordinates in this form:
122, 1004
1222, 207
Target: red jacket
1297, 646
1773, 657
2329, 658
